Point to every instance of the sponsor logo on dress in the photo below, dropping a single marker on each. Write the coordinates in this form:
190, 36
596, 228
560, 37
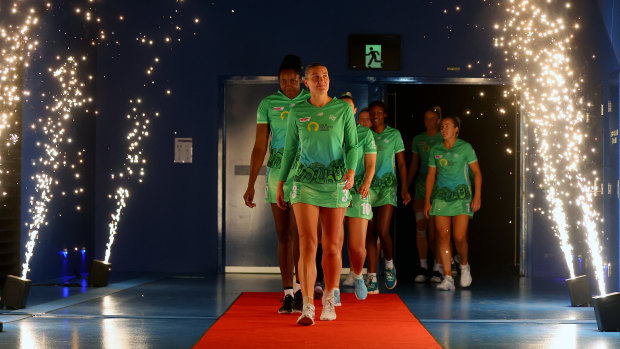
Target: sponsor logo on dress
313, 125
320, 114
304, 119
456, 155
438, 156
278, 108
387, 141
422, 143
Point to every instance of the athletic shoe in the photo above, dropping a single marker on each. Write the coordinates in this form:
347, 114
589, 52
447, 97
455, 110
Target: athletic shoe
457, 258
372, 287
329, 311
287, 305
390, 278
437, 277
361, 292
298, 302
318, 291
337, 302
465, 275
349, 281
422, 275
307, 315
447, 284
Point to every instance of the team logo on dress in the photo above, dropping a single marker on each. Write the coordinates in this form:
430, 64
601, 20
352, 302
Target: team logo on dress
320, 114
292, 105
443, 162
387, 141
332, 118
282, 114
379, 138
426, 148
456, 155
278, 108
313, 125
304, 119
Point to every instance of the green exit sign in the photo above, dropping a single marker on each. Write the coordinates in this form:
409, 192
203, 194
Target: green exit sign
374, 52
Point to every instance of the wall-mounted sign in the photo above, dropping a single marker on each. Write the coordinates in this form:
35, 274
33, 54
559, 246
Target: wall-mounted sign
374, 52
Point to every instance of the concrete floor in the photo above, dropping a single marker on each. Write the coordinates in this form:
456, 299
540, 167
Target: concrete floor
174, 311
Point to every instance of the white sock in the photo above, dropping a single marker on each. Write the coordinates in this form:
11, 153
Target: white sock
463, 266
288, 292
356, 276
424, 263
389, 264
296, 287
372, 277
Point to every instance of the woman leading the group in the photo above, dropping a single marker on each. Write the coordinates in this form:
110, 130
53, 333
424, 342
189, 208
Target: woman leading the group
323, 129
272, 117
383, 194
452, 202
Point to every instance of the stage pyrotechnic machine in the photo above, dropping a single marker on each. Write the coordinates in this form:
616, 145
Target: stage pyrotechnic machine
15, 292
607, 312
99, 272
579, 291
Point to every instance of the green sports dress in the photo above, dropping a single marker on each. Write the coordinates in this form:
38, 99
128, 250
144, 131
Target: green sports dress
274, 111
452, 193
422, 145
327, 141
384, 184
361, 207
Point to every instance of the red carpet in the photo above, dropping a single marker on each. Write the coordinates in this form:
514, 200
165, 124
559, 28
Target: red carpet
381, 321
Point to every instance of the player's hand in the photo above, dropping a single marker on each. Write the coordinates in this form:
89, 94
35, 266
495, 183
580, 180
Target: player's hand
280, 196
364, 190
248, 197
406, 197
427, 210
350, 178
475, 204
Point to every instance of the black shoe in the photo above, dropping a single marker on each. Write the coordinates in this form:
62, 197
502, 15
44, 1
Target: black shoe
436, 277
298, 302
287, 305
421, 275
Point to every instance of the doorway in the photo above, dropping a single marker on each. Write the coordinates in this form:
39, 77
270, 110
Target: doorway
490, 122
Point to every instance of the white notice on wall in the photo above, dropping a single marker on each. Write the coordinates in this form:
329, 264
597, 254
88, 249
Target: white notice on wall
183, 150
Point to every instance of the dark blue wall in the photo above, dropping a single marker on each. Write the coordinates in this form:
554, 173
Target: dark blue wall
170, 223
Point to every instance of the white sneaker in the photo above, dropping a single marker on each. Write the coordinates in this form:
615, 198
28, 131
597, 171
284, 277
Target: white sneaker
465, 275
329, 307
447, 284
349, 281
307, 315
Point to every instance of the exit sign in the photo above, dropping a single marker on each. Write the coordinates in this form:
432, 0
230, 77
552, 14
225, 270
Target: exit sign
374, 52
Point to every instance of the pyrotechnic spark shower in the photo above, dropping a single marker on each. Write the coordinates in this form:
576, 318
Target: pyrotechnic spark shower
53, 127
16, 46
538, 48
140, 121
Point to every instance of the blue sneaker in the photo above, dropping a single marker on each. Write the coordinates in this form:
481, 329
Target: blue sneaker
390, 278
361, 292
337, 302
372, 287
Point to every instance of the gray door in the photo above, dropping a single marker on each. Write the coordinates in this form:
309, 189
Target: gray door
250, 235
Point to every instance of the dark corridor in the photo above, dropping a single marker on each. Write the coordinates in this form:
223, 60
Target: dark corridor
490, 122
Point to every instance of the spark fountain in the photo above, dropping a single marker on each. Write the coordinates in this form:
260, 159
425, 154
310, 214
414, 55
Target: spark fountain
53, 126
538, 46
17, 43
135, 160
